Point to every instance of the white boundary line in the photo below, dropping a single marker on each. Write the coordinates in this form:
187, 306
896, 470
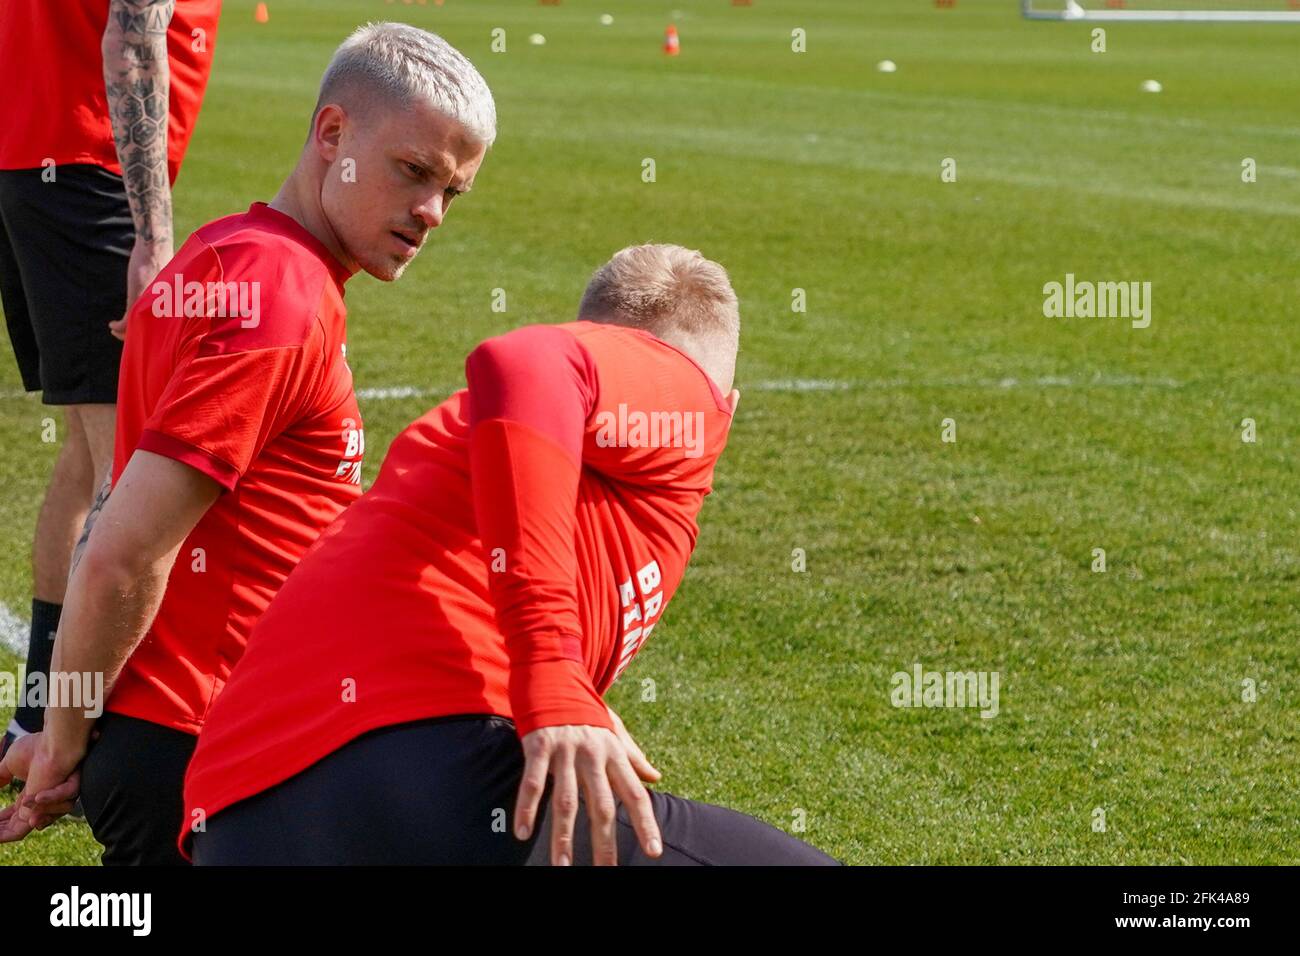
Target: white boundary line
397, 392
13, 631
392, 392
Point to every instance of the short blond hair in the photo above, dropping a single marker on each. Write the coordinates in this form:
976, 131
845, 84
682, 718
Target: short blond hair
663, 289
398, 62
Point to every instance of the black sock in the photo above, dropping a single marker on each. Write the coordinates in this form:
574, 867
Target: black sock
40, 647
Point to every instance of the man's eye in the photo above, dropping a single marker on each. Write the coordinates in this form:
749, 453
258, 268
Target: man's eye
416, 171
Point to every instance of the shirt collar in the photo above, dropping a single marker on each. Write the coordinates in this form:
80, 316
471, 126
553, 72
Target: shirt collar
292, 227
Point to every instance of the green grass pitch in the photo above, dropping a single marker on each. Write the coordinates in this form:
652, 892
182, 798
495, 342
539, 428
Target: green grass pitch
1120, 690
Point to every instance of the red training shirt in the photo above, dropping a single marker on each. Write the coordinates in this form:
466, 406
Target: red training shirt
517, 549
52, 69
262, 402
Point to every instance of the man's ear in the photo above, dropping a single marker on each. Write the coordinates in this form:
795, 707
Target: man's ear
733, 399
327, 131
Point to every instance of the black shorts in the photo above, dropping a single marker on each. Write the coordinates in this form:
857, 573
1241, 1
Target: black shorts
442, 791
64, 249
132, 785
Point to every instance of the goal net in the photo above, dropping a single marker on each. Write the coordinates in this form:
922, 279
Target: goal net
1241, 11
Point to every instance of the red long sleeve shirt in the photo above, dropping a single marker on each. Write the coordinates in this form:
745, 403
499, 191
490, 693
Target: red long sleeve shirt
520, 544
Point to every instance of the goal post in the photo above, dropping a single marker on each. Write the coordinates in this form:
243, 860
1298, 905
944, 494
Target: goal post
1203, 11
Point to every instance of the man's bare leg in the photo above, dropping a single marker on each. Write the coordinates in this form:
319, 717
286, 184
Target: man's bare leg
99, 423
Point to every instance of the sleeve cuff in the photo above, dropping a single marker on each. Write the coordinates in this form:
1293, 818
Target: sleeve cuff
223, 473
552, 693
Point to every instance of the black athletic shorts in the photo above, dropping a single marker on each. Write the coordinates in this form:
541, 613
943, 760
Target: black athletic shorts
442, 791
132, 783
64, 249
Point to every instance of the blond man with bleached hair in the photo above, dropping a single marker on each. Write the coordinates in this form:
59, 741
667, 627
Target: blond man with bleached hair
239, 437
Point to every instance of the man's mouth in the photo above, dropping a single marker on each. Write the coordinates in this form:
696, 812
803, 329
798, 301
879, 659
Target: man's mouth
406, 239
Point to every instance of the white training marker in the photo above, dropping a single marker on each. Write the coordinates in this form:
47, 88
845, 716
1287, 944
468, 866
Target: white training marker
606, 19
537, 39
887, 66
1151, 86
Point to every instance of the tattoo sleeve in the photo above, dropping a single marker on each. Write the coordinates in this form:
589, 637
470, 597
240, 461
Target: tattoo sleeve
137, 79
91, 516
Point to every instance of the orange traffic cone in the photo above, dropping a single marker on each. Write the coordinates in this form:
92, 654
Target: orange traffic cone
261, 14
672, 44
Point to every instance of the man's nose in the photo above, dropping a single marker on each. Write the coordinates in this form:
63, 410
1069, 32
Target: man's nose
431, 210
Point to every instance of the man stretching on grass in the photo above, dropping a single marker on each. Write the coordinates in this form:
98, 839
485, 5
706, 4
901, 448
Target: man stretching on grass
238, 433
443, 648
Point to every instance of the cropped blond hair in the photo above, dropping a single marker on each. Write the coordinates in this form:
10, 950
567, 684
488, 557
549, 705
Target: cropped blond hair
397, 62
663, 289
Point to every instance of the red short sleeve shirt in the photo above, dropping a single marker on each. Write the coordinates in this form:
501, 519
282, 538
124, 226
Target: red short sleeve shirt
235, 364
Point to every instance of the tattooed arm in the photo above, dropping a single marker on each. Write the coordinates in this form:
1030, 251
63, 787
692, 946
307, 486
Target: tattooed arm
100, 497
137, 78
